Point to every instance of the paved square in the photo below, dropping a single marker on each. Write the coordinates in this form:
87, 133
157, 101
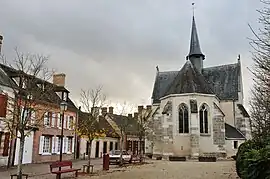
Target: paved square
173, 170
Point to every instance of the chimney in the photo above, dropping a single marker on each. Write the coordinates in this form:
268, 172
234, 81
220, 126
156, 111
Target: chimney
104, 111
130, 116
148, 107
135, 115
95, 110
59, 79
1, 42
111, 110
140, 108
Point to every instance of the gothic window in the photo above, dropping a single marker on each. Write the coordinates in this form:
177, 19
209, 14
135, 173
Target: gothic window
183, 119
204, 119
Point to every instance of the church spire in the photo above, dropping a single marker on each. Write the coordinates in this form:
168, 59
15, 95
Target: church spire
195, 49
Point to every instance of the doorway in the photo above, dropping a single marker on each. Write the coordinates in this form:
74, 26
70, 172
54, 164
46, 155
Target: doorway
97, 149
104, 147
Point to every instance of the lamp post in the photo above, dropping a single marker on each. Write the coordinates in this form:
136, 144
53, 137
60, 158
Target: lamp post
63, 108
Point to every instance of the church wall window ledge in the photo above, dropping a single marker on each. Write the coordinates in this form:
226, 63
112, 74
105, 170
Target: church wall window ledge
205, 135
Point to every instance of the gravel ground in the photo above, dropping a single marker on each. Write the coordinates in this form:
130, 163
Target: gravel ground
173, 170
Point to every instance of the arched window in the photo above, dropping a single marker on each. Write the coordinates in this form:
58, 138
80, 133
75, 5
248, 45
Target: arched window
203, 119
183, 119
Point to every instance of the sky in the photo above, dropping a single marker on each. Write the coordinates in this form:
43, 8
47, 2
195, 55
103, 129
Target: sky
118, 43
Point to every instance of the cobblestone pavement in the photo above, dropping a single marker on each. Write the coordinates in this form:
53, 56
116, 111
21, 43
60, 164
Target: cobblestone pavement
42, 171
175, 170
153, 170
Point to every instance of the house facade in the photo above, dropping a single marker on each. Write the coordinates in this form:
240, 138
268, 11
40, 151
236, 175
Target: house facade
130, 128
199, 111
43, 143
100, 145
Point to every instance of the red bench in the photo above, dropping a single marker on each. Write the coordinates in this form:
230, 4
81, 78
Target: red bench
60, 165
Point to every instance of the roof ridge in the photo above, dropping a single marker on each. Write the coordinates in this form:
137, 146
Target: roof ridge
197, 79
231, 64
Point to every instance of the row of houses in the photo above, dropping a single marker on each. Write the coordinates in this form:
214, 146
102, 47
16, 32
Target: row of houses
43, 143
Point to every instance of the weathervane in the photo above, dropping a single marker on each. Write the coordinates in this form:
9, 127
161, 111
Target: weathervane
193, 8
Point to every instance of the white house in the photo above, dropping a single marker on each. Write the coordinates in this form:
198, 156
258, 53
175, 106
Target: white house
199, 111
99, 145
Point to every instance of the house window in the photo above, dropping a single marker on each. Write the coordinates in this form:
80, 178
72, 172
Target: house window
203, 119
235, 144
59, 144
70, 122
116, 146
183, 119
47, 117
69, 144
65, 96
111, 146
47, 144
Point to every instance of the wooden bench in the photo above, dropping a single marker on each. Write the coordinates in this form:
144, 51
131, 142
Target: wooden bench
15, 175
60, 165
85, 166
135, 158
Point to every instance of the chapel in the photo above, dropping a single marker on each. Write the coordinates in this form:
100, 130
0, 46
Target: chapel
199, 111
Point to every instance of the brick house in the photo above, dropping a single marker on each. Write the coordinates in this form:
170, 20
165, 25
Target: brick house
42, 145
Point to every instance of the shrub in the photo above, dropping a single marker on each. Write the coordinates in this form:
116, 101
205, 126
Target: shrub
177, 158
240, 156
252, 160
207, 159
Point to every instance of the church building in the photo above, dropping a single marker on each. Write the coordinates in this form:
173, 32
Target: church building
199, 111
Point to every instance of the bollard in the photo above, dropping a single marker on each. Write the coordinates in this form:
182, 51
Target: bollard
106, 161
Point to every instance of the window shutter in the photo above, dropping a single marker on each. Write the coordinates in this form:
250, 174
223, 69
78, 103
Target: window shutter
22, 110
57, 144
33, 116
45, 118
3, 105
41, 141
6, 144
64, 145
68, 122
58, 120
53, 145
73, 144
53, 119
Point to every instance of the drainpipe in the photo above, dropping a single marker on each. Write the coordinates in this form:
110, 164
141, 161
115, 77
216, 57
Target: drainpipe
234, 112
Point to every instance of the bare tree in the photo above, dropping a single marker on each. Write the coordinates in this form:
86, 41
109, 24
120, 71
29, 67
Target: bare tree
260, 100
28, 80
123, 126
92, 101
146, 131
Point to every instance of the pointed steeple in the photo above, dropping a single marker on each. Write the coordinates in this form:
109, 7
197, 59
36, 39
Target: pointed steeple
195, 48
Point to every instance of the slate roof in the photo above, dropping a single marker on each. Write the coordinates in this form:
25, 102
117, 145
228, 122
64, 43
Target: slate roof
243, 110
131, 124
189, 80
232, 133
222, 80
102, 123
195, 48
48, 95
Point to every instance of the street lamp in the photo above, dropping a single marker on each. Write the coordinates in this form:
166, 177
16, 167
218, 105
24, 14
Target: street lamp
63, 108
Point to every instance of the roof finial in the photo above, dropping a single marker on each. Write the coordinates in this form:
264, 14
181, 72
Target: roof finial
193, 8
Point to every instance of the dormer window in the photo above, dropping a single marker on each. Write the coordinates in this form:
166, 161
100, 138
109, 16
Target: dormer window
23, 84
65, 96
41, 86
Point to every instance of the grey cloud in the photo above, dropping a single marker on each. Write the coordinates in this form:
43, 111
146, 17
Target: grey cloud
118, 43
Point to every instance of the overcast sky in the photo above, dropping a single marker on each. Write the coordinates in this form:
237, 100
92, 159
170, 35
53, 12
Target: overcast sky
118, 43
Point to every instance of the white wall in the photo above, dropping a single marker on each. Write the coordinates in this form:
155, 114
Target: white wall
93, 147
230, 148
181, 142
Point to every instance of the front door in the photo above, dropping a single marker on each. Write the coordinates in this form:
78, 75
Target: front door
97, 149
104, 147
27, 152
